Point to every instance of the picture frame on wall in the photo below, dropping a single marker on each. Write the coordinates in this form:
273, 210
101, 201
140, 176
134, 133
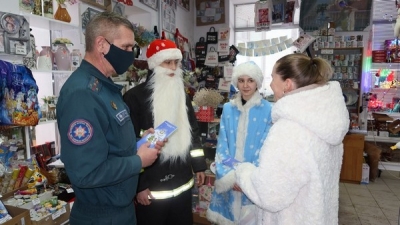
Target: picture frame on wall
169, 18
185, 4
150, 3
171, 3
86, 16
209, 12
10, 23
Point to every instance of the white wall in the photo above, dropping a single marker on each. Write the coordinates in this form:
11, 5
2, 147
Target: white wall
201, 31
185, 22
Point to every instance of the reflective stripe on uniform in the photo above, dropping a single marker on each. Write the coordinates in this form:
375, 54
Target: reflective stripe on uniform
172, 193
196, 152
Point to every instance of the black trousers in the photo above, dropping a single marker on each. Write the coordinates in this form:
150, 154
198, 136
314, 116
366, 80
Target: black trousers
171, 211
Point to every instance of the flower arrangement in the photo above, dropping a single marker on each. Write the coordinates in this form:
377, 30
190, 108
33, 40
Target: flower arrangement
135, 75
190, 81
142, 36
208, 97
62, 41
71, 2
48, 99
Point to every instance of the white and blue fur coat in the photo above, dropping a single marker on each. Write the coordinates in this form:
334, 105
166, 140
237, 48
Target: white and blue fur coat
243, 129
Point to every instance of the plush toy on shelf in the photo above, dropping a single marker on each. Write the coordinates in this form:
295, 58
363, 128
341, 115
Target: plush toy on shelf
396, 146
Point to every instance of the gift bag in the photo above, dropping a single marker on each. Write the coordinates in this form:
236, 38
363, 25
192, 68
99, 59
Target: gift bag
201, 47
224, 85
223, 34
19, 102
206, 190
233, 51
223, 47
211, 58
200, 60
212, 36
180, 41
223, 58
228, 71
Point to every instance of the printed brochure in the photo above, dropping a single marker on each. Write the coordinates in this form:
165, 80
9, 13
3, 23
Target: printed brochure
231, 162
163, 131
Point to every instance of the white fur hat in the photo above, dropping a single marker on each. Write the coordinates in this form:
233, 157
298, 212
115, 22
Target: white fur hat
250, 69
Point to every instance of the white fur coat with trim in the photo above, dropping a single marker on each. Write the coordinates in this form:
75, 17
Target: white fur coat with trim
297, 180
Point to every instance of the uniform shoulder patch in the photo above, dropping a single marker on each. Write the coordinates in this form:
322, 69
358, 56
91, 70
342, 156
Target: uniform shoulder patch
80, 132
94, 84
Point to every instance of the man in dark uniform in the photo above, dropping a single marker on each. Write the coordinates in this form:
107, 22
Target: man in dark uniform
164, 190
98, 141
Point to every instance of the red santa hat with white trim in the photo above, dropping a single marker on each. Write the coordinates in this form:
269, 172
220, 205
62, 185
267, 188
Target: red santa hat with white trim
160, 50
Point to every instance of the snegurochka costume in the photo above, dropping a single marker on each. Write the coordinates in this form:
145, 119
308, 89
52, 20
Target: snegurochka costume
170, 181
98, 148
244, 126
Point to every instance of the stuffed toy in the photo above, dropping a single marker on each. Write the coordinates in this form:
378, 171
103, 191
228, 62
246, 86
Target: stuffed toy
397, 25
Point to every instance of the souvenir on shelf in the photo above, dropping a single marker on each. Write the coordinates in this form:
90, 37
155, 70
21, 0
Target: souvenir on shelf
19, 102
16, 36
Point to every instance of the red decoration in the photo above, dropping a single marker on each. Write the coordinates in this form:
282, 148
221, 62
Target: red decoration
205, 114
126, 2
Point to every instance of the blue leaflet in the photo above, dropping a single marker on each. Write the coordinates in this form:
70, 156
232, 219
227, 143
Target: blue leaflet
231, 162
163, 131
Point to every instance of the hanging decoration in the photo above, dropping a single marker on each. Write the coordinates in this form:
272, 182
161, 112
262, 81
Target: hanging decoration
264, 47
263, 15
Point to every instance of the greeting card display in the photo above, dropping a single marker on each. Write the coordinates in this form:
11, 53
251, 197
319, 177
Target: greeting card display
163, 131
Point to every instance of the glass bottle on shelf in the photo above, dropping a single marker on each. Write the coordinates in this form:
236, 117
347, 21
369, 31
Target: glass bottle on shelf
62, 13
62, 57
45, 59
76, 58
156, 34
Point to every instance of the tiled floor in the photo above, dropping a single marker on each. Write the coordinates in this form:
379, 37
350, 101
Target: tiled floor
376, 203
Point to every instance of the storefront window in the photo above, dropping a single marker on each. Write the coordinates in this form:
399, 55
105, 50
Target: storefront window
245, 32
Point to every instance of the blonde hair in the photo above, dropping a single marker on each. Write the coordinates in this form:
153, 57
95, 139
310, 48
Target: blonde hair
304, 70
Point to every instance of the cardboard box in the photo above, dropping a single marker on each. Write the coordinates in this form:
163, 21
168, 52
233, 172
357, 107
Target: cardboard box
43, 197
57, 218
19, 216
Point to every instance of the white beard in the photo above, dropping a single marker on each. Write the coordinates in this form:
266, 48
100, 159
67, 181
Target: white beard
169, 103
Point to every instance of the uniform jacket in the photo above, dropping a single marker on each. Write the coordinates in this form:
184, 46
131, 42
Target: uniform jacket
297, 179
162, 176
243, 129
98, 144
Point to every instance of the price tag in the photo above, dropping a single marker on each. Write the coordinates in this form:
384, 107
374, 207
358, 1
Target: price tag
70, 190
327, 51
62, 210
20, 49
56, 214
36, 201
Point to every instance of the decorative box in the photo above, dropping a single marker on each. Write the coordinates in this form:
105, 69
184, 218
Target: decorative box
204, 113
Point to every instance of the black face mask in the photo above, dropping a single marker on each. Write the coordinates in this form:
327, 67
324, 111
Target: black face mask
119, 59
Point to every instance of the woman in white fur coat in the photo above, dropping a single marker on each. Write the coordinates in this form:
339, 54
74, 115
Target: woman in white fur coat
297, 179
245, 122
